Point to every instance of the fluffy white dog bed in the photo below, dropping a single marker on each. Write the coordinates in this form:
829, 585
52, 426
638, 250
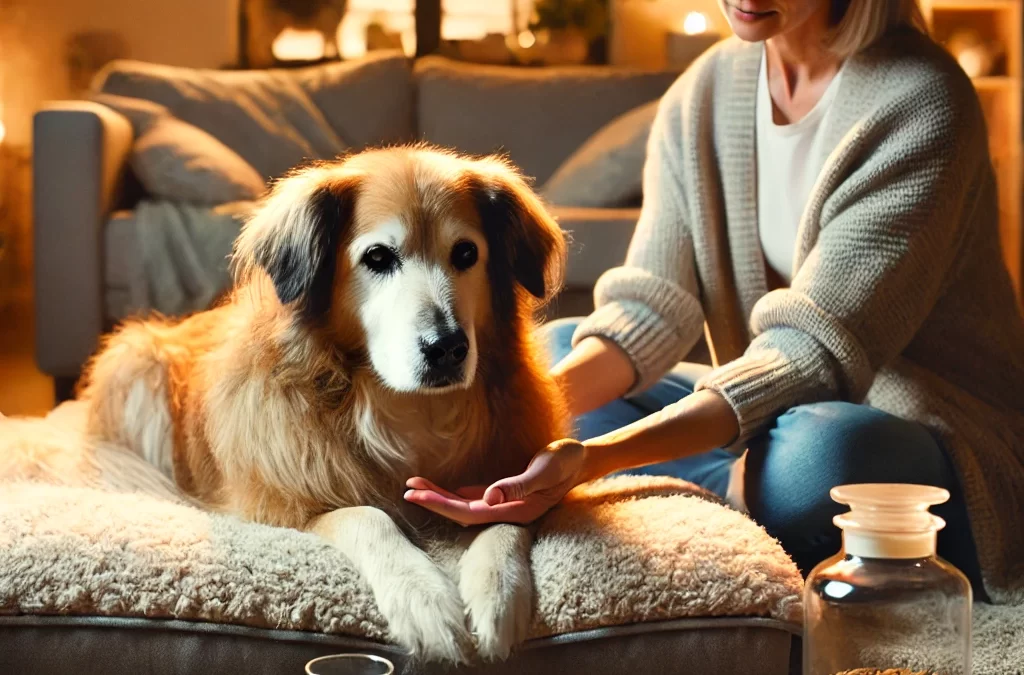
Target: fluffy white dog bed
625, 553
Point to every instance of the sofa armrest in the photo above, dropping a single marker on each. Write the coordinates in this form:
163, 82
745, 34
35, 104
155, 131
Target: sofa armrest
79, 155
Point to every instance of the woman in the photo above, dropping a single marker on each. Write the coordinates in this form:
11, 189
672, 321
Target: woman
818, 193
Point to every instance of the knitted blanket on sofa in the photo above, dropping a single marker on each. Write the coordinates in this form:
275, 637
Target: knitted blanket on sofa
618, 551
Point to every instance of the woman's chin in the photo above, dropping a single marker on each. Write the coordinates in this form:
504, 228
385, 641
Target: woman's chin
752, 28
755, 33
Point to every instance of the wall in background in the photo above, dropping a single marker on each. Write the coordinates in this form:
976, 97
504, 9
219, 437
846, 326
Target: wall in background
35, 40
639, 28
34, 37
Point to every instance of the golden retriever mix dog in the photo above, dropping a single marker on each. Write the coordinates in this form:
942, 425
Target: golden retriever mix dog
380, 327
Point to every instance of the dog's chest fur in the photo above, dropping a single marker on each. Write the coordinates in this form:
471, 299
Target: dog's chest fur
268, 442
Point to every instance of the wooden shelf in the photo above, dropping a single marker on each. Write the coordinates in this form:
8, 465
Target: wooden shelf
998, 20
995, 83
973, 5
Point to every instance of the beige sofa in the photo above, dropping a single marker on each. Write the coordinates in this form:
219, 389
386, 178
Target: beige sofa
87, 242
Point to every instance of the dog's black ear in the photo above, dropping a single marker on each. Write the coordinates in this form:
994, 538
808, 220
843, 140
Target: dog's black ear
520, 231
294, 237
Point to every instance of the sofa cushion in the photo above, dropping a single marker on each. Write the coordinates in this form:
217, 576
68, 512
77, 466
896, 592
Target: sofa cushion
367, 102
175, 160
539, 116
264, 116
607, 170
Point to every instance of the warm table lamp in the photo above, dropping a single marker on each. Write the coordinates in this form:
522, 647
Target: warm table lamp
682, 47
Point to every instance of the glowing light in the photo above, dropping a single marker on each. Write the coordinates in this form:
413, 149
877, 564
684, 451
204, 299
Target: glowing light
3, 132
972, 60
408, 37
527, 39
695, 23
463, 28
298, 45
837, 589
352, 37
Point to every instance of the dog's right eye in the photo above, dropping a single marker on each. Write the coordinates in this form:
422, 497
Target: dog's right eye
380, 259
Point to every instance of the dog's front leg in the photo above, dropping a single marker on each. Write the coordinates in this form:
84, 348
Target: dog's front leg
497, 587
421, 604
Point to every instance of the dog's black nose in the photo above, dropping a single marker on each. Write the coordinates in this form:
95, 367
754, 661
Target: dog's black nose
447, 351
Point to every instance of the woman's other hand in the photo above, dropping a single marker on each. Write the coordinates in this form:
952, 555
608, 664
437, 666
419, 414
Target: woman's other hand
518, 499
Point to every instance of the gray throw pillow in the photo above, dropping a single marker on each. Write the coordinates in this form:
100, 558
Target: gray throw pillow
607, 170
176, 161
263, 115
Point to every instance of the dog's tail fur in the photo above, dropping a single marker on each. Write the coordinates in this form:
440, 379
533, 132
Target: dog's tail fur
128, 392
55, 450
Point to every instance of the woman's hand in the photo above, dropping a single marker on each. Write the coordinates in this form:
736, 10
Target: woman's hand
519, 499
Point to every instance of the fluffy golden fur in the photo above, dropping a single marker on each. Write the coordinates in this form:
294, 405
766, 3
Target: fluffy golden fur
296, 402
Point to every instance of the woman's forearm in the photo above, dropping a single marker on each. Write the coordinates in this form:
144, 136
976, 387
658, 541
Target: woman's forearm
698, 423
593, 374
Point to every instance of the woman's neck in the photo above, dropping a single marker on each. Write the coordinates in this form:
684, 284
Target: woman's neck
800, 68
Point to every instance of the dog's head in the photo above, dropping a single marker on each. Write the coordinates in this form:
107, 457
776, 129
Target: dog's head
410, 254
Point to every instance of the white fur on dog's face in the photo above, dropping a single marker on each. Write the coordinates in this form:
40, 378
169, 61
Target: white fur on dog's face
419, 299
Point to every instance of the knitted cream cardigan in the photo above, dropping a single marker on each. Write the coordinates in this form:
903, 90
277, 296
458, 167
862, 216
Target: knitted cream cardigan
899, 297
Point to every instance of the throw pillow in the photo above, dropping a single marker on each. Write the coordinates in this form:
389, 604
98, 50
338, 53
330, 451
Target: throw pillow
263, 115
607, 170
176, 161
368, 101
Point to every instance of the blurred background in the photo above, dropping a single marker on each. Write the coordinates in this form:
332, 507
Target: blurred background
565, 86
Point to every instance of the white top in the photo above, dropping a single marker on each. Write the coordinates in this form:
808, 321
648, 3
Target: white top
789, 159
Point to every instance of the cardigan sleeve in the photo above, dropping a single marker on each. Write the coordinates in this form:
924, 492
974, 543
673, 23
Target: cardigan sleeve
887, 243
649, 306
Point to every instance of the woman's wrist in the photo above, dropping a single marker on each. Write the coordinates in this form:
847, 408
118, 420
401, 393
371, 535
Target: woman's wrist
599, 460
698, 423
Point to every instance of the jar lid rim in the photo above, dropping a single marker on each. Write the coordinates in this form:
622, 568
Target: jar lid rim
895, 496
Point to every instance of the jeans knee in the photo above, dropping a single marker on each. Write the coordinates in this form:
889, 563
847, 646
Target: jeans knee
815, 447
850, 443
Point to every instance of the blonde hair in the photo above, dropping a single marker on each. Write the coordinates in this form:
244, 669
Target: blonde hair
859, 23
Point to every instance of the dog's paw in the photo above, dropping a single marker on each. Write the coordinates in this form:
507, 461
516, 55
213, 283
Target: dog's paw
497, 589
425, 615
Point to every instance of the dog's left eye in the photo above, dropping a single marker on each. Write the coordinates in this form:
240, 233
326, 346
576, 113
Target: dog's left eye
464, 255
380, 259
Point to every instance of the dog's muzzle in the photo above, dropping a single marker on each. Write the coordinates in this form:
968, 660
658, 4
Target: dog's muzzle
445, 358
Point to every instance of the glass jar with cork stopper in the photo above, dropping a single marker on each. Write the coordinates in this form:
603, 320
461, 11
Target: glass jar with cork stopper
887, 603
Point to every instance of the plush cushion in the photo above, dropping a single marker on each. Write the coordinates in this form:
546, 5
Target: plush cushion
607, 170
539, 116
616, 553
369, 101
278, 119
175, 160
264, 116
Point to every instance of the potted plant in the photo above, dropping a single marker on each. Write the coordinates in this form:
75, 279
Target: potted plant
566, 30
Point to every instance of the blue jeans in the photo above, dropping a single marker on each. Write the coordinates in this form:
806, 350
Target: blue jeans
791, 466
